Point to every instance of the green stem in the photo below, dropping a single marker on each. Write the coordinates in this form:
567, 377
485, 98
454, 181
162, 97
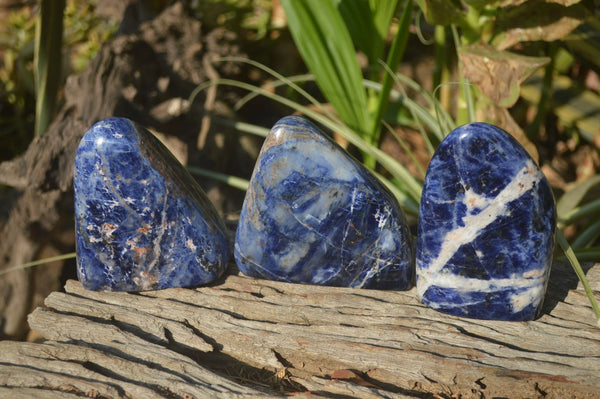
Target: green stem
585, 211
533, 129
395, 55
440, 70
471, 26
467, 99
48, 56
587, 236
38, 262
562, 241
233, 181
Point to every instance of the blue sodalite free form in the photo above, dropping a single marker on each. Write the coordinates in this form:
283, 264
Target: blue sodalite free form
486, 228
142, 222
313, 215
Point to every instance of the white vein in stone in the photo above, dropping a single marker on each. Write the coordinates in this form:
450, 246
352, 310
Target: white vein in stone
473, 225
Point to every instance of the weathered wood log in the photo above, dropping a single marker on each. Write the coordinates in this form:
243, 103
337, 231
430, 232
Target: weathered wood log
247, 337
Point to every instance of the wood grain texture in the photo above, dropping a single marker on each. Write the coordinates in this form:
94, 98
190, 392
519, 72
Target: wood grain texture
335, 342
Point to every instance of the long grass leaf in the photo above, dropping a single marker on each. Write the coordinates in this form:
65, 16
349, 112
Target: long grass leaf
585, 254
38, 262
279, 78
590, 210
233, 181
443, 122
241, 126
360, 22
467, 98
413, 187
395, 55
274, 84
562, 241
587, 237
326, 48
571, 199
48, 57
405, 148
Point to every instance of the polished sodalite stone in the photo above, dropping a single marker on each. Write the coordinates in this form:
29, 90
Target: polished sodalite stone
313, 215
142, 222
486, 228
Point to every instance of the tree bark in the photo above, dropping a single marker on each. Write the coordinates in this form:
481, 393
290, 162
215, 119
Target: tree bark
247, 337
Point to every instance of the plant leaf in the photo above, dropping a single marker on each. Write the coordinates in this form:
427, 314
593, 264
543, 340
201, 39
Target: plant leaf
368, 22
442, 12
395, 55
48, 57
537, 20
498, 74
326, 47
575, 106
573, 197
584, 41
500, 117
562, 241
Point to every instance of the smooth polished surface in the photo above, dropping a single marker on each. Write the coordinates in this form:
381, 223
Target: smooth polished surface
313, 215
142, 222
486, 228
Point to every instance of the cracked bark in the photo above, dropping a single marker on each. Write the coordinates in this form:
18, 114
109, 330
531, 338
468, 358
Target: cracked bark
331, 341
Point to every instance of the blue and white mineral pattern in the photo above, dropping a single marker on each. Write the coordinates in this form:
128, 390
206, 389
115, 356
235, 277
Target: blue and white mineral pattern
313, 215
142, 222
486, 228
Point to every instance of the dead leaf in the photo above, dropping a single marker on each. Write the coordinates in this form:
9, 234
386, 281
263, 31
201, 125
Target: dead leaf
514, 3
538, 20
500, 117
498, 74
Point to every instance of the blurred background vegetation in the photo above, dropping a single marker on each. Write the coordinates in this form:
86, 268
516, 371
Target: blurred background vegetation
390, 79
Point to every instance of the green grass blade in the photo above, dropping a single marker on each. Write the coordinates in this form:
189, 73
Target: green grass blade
443, 123
464, 115
384, 11
274, 84
412, 187
571, 199
590, 211
360, 22
279, 80
395, 55
38, 262
233, 181
368, 23
241, 126
326, 47
587, 237
585, 254
48, 57
405, 148
562, 241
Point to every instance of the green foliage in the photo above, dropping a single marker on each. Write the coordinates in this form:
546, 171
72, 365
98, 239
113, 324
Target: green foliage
16, 82
328, 33
48, 60
84, 33
326, 46
253, 16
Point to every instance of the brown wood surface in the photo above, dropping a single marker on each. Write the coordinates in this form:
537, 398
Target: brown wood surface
250, 338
